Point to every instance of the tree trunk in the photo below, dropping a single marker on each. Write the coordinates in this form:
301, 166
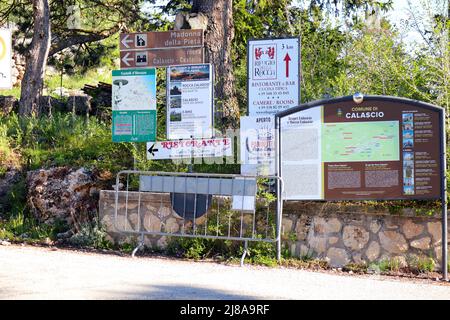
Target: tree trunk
33, 79
218, 41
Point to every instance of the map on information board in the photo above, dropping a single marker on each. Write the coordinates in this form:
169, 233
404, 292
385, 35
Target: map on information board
362, 141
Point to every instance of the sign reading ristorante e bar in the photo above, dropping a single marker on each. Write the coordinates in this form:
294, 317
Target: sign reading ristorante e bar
161, 39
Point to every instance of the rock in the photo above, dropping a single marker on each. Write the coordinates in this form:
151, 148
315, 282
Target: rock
162, 242
79, 104
304, 251
435, 229
8, 104
333, 240
337, 257
171, 225
65, 235
48, 105
357, 258
293, 249
323, 226
7, 181
318, 244
411, 229
391, 223
5, 243
373, 251
393, 242
197, 20
62, 194
375, 226
355, 237
152, 223
286, 225
301, 229
422, 243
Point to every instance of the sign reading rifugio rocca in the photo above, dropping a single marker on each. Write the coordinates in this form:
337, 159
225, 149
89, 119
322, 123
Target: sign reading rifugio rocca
383, 148
273, 75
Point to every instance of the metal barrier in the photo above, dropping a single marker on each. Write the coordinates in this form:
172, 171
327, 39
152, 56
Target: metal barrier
211, 206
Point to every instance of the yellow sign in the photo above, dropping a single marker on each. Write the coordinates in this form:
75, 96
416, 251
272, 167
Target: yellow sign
2, 48
5, 59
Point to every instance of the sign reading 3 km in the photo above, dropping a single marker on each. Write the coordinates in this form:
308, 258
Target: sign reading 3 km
5, 59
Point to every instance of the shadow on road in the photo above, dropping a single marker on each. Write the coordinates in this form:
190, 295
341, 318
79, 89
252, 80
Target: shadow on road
179, 292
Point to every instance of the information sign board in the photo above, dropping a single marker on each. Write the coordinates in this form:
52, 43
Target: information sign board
257, 141
134, 105
190, 102
273, 75
383, 148
5, 59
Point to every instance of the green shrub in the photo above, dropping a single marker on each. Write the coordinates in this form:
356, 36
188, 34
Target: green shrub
385, 265
91, 234
422, 264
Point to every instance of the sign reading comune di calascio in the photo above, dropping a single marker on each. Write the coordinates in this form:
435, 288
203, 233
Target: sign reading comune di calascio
379, 149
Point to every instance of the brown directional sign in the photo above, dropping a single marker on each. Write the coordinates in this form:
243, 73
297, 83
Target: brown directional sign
161, 57
161, 39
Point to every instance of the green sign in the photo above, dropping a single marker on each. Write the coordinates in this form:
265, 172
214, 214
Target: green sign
134, 105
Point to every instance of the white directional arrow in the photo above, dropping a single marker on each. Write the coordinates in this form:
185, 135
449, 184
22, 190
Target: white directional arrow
125, 59
125, 41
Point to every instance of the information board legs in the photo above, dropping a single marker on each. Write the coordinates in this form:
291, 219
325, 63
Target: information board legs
444, 265
444, 240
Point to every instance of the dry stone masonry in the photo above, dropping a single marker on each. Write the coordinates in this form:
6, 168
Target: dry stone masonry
360, 237
319, 230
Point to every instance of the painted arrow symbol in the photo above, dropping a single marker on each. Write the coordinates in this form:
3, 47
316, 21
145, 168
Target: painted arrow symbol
152, 150
125, 59
125, 41
287, 59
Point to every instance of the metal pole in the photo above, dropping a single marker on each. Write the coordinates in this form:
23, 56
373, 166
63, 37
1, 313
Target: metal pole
278, 173
444, 199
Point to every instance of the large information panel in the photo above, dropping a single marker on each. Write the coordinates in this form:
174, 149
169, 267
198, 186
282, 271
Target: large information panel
379, 149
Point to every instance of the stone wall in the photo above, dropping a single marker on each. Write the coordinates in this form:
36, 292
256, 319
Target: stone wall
343, 238
321, 230
158, 216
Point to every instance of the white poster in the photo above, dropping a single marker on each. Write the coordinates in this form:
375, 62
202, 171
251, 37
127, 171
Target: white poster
190, 102
273, 75
301, 170
5, 59
258, 145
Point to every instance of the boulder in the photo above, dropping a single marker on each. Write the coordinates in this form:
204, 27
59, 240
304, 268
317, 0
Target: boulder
7, 182
62, 193
79, 104
8, 104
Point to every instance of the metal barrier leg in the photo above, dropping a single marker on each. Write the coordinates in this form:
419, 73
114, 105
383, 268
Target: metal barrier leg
139, 246
244, 253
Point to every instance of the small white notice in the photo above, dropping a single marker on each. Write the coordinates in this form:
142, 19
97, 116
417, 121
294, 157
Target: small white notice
194, 148
5, 59
258, 145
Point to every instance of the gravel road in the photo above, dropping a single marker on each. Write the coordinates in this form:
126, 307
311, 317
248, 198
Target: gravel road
44, 273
